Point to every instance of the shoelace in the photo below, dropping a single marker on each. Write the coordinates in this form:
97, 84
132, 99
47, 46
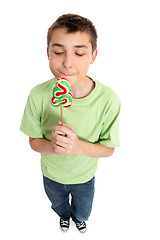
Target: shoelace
64, 223
81, 225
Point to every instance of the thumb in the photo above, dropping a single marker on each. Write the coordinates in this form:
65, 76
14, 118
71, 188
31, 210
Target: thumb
59, 123
65, 125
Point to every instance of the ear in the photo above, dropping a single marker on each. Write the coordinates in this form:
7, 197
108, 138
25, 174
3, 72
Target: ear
48, 52
94, 55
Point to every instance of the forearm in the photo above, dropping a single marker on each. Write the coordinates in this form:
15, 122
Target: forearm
41, 145
94, 150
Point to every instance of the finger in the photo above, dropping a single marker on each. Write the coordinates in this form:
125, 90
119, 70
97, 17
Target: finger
59, 150
58, 133
63, 129
60, 138
59, 145
57, 130
62, 145
64, 124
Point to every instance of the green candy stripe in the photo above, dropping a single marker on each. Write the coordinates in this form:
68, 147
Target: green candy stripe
61, 88
64, 101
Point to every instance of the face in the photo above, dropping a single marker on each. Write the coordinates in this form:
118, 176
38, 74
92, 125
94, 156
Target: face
70, 55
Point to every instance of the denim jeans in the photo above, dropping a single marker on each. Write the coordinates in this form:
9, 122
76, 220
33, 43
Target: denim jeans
81, 199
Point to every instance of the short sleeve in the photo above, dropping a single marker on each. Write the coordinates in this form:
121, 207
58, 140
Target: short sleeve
110, 129
31, 120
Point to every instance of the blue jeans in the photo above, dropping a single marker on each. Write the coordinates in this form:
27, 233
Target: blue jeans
81, 202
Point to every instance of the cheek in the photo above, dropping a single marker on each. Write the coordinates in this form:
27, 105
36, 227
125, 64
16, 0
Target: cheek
54, 62
84, 65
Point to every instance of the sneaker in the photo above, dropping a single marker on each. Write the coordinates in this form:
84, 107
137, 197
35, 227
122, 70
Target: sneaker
64, 225
81, 227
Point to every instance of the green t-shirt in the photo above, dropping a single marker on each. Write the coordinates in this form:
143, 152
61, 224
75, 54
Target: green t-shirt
93, 118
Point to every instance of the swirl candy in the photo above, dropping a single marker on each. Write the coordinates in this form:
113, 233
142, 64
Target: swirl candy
65, 101
62, 96
61, 93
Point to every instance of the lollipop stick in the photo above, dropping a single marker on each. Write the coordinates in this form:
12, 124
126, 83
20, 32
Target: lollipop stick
61, 116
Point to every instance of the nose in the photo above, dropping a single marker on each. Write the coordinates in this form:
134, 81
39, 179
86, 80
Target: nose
67, 61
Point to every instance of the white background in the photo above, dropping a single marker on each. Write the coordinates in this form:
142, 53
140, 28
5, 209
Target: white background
127, 200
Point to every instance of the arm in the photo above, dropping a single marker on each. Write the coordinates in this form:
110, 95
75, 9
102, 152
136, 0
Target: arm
88, 149
95, 150
41, 145
66, 142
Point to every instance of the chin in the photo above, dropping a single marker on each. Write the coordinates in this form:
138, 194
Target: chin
70, 78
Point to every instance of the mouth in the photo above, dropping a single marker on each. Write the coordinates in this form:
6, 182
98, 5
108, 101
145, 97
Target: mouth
66, 74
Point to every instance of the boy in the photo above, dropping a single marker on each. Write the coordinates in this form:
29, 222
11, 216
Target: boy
70, 152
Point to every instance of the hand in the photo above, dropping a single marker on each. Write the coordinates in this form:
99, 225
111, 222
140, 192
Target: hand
65, 140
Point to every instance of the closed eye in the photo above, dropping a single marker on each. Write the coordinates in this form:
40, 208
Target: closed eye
80, 55
58, 53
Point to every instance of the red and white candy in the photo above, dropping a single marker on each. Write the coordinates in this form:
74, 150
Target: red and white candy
61, 93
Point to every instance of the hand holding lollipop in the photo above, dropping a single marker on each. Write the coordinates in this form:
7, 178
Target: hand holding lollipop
62, 96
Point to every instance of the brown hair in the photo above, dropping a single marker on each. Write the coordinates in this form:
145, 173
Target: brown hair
74, 23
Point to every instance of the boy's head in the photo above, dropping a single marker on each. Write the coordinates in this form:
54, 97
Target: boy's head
72, 47
74, 23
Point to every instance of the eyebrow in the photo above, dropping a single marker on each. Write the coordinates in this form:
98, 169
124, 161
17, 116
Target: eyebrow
57, 45
76, 46
80, 46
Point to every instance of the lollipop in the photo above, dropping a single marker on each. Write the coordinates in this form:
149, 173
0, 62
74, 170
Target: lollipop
62, 96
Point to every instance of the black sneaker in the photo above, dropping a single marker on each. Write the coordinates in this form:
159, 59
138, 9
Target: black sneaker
81, 227
64, 225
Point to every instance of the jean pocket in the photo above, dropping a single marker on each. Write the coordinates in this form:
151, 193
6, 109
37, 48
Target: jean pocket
91, 181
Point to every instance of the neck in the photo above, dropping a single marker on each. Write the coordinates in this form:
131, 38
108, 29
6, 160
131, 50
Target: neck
83, 88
